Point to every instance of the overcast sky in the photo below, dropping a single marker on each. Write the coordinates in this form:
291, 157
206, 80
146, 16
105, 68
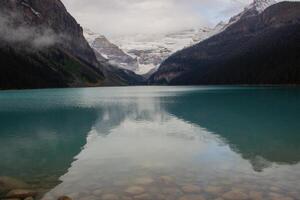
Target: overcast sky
123, 17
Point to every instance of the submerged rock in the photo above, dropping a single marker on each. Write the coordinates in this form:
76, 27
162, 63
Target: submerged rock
88, 198
9, 183
276, 196
256, 195
282, 198
191, 189
109, 197
64, 198
167, 180
295, 194
214, 190
135, 190
21, 193
158, 196
73, 195
144, 181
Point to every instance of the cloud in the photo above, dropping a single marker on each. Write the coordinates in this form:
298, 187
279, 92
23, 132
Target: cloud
119, 17
34, 37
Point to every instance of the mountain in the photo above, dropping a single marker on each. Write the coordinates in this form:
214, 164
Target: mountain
118, 67
151, 50
42, 46
110, 51
261, 48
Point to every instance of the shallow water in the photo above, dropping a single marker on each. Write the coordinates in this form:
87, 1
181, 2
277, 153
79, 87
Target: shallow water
165, 142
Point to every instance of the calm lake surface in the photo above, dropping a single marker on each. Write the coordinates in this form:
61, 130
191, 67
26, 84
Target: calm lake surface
187, 143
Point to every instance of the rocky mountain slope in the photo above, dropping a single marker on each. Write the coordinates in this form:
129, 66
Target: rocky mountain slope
258, 48
118, 67
41, 46
114, 55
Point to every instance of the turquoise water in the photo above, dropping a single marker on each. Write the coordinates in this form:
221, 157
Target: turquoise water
87, 143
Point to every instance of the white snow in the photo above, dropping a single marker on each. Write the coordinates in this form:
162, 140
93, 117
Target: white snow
90, 36
144, 69
261, 5
152, 50
256, 5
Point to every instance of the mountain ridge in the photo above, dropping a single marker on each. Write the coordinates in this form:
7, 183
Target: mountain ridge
42, 46
249, 51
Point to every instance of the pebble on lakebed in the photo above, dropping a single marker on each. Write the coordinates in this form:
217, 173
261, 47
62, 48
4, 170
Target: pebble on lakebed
167, 180
109, 197
256, 195
21, 193
216, 190
64, 198
142, 197
235, 195
144, 181
135, 190
29, 198
191, 188
9, 183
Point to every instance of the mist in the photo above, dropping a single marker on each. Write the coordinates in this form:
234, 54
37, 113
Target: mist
34, 37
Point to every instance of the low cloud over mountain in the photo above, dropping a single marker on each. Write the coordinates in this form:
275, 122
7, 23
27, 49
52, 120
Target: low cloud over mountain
35, 37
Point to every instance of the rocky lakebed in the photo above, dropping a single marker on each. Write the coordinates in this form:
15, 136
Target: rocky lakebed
148, 188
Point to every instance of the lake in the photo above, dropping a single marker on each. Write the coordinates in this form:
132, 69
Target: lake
164, 143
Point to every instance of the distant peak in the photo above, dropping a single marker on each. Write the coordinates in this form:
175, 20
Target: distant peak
91, 36
255, 8
261, 5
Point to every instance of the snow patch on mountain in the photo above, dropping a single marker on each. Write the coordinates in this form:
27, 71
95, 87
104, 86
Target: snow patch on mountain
90, 36
25, 3
261, 5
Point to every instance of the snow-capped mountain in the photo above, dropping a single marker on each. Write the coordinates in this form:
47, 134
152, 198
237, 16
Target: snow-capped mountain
255, 8
144, 53
261, 5
110, 51
152, 50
